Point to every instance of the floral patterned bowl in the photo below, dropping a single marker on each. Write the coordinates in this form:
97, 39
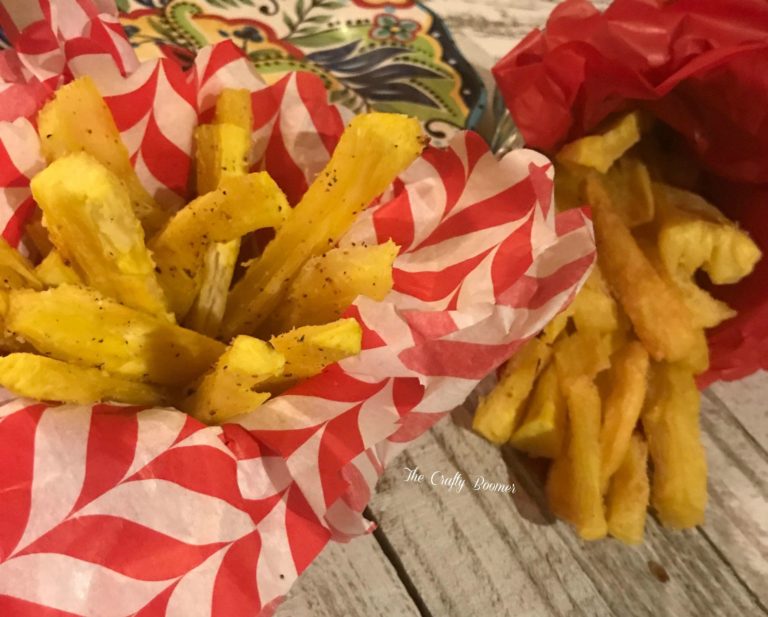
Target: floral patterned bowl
387, 55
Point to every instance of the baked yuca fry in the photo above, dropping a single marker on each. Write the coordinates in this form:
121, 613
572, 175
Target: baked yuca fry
327, 285
46, 379
15, 269
627, 498
671, 425
600, 150
694, 234
231, 387
622, 406
221, 150
240, 205
543, 429
573, 483
372, 151
661, 320
78, 120
594, 308
309, 349
54, 271
582, 353
80, 326
89, 217
497, 414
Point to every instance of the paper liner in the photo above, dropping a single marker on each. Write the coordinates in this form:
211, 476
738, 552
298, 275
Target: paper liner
115, 511
700, 66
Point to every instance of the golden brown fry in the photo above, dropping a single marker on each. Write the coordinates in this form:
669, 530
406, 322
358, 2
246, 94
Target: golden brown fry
80, 326
671, 424
543, 429
573, 484
661, 320
78, 120
593, 308
310, 349
622, 407
327, 285
54, 271
231, 387
15, 269
90, 220
46, 379
629, 184
240, 205
374, 148
497, 415
627, 499
600, 150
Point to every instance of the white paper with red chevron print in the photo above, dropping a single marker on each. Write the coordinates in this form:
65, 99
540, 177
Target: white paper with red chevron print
112, 511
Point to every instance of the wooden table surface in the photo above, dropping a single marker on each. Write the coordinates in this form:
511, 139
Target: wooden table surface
438, 553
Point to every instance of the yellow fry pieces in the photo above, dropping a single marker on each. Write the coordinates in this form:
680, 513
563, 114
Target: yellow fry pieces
693, 234
659, 316
47, 379
327, 285
498, 413
231, 388
543, 429
627, 498
54, 271
573, 484
582, 353
78, 120
593, 308
15, 270
373, 150
629, 184
78, 325
234, 106
671, 424
622, 407
240, 205
221, 149
599, 151
309, 349
89, 217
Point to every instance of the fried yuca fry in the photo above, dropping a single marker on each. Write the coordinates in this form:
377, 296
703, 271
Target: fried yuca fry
671, 424
15, 269
622, 407
594, 308
497, 414
600, 150
694, 234
46, 379
543, 429
78, 120
629, 184
89, 217
326, 285
660, 318
78, 325
373, 149
240, 205
231, 387
573, 483
222, 149
582, 353
54, 271
627, 498
555, 328
309, 349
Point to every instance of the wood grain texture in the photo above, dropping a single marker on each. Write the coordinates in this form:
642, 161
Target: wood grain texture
355, 580
477, 553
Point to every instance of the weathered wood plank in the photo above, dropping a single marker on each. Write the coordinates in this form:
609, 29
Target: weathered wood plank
748, 401
478, 553
355, 580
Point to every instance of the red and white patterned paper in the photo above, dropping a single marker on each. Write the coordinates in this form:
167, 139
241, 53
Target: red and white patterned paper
113, 511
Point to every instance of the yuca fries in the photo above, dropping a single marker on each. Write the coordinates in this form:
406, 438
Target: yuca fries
620, 385
96, 318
